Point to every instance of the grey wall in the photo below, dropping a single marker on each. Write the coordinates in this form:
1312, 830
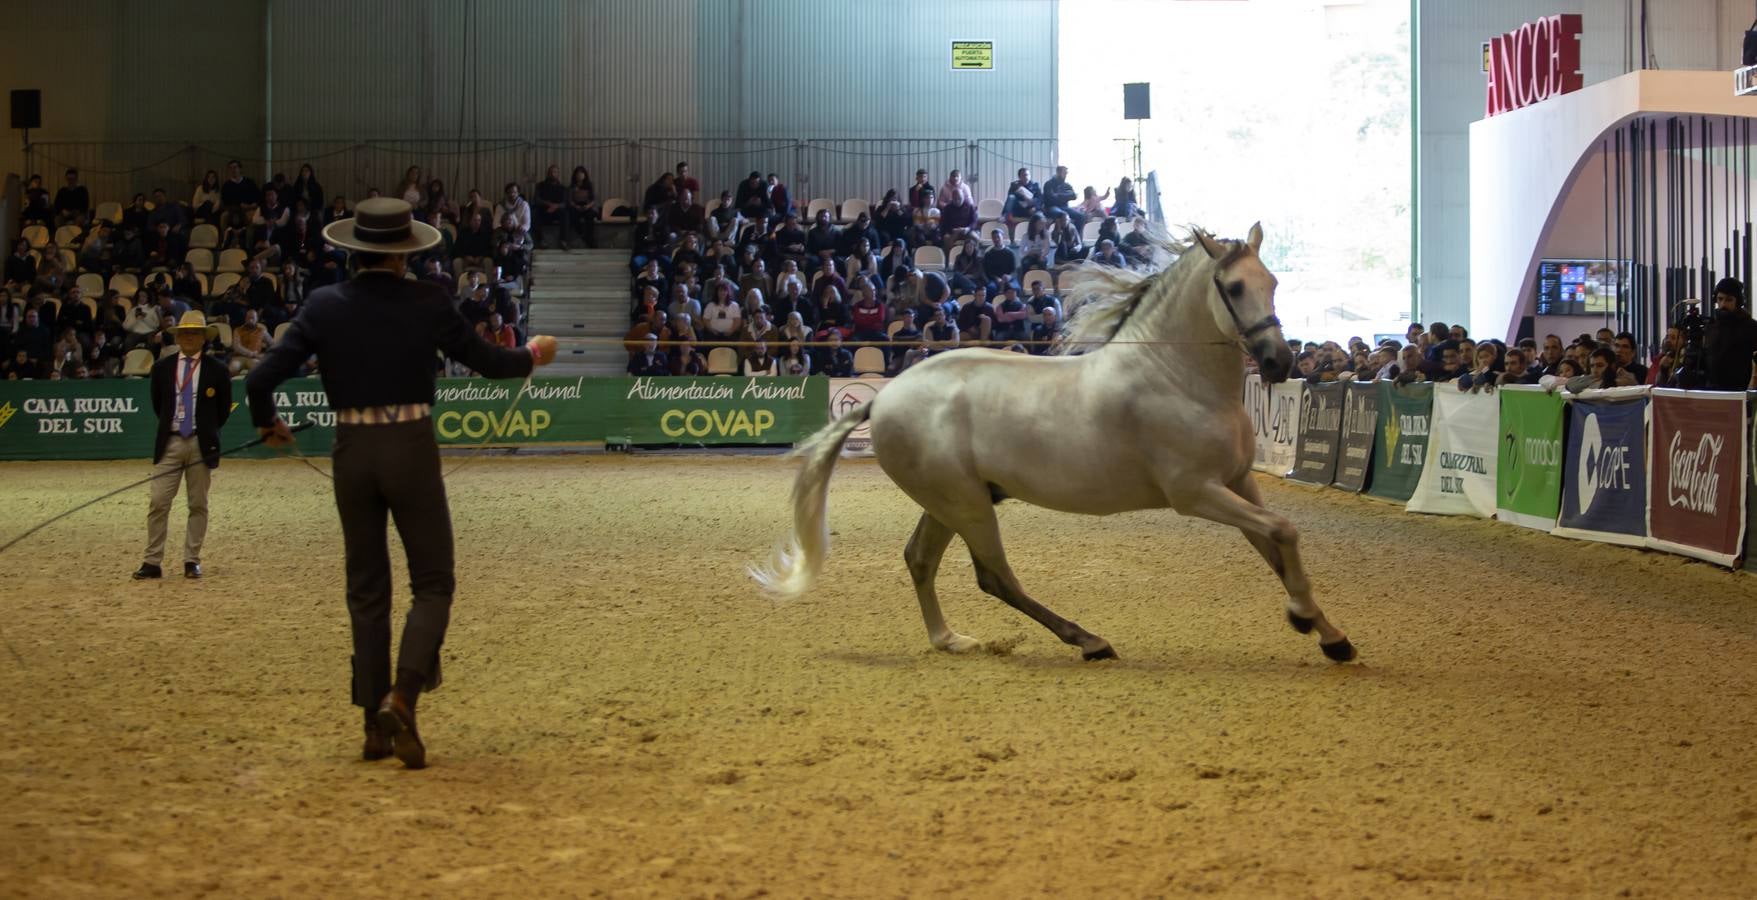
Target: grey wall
443, 83
1684, 34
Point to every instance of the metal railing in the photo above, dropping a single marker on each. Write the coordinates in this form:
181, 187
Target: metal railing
836, 168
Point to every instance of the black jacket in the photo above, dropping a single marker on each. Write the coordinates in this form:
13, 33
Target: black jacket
1727, 345
213, 403
374, 339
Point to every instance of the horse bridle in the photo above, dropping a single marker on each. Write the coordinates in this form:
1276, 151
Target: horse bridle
1245, 334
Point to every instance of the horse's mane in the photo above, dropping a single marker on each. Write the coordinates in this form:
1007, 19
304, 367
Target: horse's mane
1100, 298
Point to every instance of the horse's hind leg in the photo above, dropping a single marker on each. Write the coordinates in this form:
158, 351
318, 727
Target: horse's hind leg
997, 579
1240, 504
926, 548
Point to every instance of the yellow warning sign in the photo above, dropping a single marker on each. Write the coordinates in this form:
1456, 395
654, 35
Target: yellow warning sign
977, 55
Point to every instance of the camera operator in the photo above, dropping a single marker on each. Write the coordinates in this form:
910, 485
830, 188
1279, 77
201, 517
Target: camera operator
1729, 340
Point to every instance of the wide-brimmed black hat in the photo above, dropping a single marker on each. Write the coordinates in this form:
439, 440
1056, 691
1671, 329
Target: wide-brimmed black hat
382, 225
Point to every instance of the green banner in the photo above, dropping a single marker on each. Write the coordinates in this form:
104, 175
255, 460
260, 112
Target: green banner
1401, 444
113, 418
1528, 483
716, 410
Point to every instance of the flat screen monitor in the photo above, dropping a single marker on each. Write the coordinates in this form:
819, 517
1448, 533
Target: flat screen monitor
1577, 287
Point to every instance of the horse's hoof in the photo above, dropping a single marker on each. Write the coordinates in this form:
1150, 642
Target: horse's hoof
958, 643
1102, 651
1300, 623
1341, 651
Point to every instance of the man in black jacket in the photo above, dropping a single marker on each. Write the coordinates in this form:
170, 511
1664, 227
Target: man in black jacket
192, 396
72, 202
1729, 340
374, 338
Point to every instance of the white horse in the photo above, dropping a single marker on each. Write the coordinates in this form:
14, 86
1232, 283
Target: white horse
1134, 424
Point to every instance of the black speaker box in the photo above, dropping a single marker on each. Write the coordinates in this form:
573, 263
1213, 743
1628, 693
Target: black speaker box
27, 109
1135, 102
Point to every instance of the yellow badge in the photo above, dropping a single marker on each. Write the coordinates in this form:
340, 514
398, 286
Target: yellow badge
210, 392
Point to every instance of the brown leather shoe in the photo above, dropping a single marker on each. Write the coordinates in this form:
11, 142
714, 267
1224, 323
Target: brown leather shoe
397, 720
377, 745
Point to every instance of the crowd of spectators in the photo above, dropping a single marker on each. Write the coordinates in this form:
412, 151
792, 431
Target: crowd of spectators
782, 295
84, 285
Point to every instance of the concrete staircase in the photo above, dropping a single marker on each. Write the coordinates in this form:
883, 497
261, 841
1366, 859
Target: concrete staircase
581, 293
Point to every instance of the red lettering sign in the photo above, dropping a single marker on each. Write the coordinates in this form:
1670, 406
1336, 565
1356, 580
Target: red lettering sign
1696, 505
1534, 62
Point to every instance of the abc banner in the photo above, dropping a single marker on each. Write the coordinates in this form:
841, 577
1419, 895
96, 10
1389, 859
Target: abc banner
846, 394
1698, 502
1528, 481
1274, 412
1604, 468
1360, 422
1401, 444
1320, 433
1458, 478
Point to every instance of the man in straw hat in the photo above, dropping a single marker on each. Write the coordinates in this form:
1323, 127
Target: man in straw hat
192, 395
374, 337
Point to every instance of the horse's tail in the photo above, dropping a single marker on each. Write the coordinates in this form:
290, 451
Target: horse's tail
795, 565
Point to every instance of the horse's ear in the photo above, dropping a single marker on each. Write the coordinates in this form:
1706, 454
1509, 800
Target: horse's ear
1255, 238
1212, 246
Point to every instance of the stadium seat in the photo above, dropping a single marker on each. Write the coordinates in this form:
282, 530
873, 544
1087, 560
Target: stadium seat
892, 329
170, 350
1089, 232
202, 260
49, 311
91, 306
110, 211
138, 363
68, 236
930, 258
204, 236
69, 262
222, 281
965, 300
608, 209
852, 208
712, 205
988, 210
1036, 275
37, 235
280, 330
91, 284
232, 260
868, 359
125, 284
221, 329
201, 279
821, 203
722, 361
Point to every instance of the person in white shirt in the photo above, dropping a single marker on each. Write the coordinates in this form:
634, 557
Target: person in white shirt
513, 206
723, 317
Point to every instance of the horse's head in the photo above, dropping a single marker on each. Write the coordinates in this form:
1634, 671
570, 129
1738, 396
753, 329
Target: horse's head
1246, 293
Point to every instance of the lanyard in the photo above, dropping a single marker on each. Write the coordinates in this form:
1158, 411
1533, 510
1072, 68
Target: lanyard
188, 367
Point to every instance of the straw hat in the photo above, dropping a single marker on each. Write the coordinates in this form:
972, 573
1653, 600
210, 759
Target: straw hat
382, 225
194, 321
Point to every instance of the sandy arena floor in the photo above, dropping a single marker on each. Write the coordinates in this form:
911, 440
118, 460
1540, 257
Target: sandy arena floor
624, 716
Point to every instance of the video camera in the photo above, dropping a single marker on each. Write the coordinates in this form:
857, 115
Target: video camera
1691, 371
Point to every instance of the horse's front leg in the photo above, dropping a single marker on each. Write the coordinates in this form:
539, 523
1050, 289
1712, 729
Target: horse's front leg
1240, 505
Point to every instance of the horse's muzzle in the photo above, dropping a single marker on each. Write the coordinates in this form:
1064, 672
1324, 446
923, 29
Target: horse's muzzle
1275, 362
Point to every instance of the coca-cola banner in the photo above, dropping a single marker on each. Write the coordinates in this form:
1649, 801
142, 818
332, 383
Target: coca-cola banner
1604, 468
1360, 423
1697, 506
1320, 431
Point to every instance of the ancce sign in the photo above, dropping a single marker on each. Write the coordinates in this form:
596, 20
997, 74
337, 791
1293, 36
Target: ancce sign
1534, 62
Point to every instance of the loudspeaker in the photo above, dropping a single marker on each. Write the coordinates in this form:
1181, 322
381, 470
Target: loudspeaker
1135, 102
27, 109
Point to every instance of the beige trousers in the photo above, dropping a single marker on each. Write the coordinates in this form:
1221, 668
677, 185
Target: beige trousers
178, 452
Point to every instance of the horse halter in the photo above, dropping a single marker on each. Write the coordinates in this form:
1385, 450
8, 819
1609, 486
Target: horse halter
1245, 334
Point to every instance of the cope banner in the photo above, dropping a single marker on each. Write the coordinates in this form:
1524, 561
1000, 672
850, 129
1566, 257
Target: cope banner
1320, 433
1604, 468
1698, 500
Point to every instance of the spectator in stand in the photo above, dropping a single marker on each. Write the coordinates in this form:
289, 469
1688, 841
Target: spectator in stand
722, 317
1624, 347
779, 199
1046, 332
869, 316
1024, 199
1037, 250
967, 269
299, 241
39, 209
1135, 245
1518, 368
832, 312
1485, 372
168, 213
1012, 317
512, 255
939, 335
1108, 255
94, 254
410, 190
723, 223
435, 273
20, 367
249, 343
999, 261
921, 195
21, 267
653, 325
822, 238
661, 193
758, 326
128, 253
581, 212
688, 250
957, 219
682, 303
758, 360
905, 347
650, 276
206, 204
649, 360
753, 301
474, 248
1060, 197
141, 323
475, 203
1068, 245
501, 333
103, 355
1306, 367
1663, 370
307, 188
892, 223
649, 240
239, 197
685, 216
437, 208
1125, 206
793, 361
135, 214
1551, 356
74, 313
34, 337
280, 315
752, 199
1092, 205
826, 276
270, 217
229, 306
1410, 365
688, 361
926, 230
67, 352
976, 319
789, 240
756, 277
260, 291
1602, 372
551, 197
512, 209
337, 210
835, 360
1041, 300
686, 181
73, 203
